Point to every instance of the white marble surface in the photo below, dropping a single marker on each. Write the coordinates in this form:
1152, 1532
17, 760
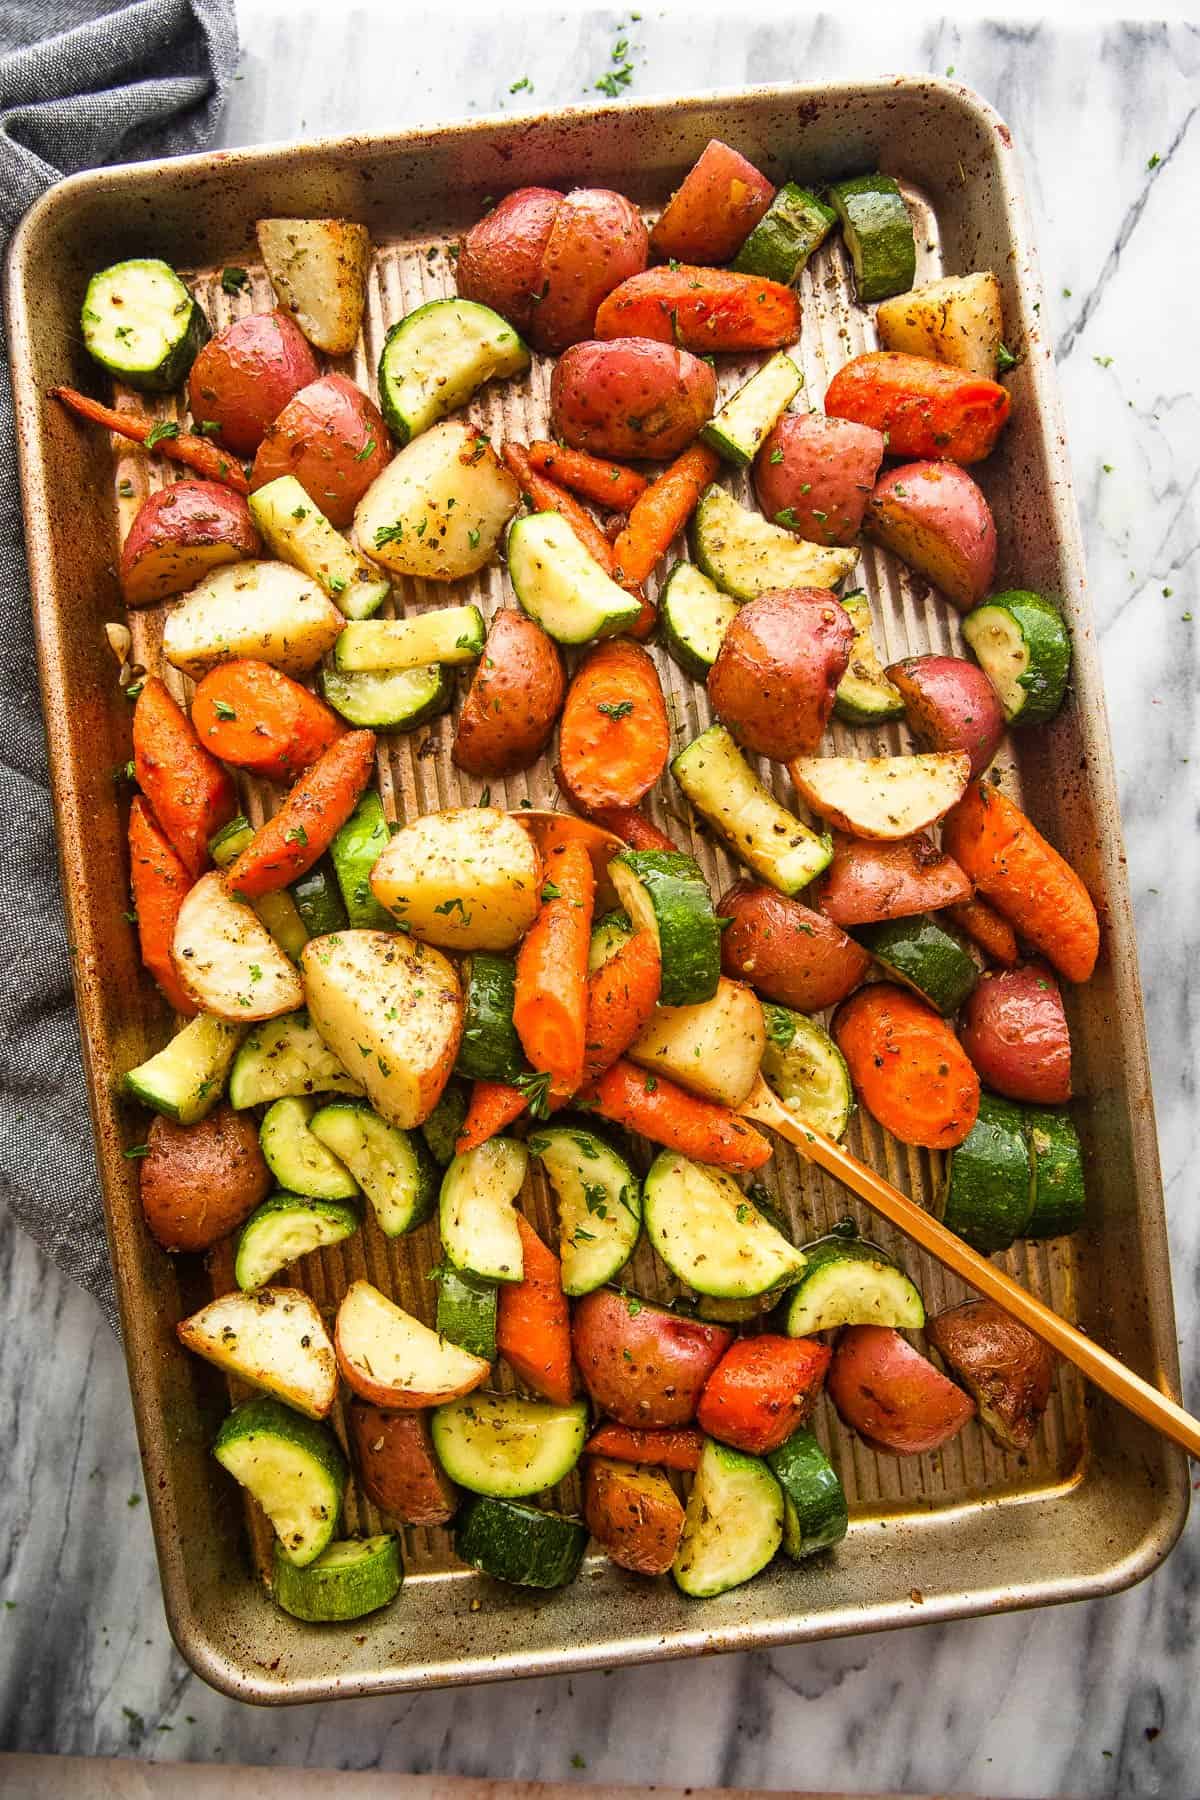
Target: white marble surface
1095, 1699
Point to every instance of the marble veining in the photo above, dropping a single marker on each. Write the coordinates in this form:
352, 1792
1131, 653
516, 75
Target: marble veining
1098, 1698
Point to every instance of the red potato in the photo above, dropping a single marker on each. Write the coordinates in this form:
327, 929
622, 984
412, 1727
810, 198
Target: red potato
515, 696
397, 1467
597, 241
891, 1395
1007, 1370
633, 1513
924, 408
713, 210
630, 398
642, 1364
198, 1182
761, 1390
868, 882
393, 1360
333, 440
814, 475
500, 259
180, 533
245, 376
949, 704
787, 952
935, 518
1014, 1029
704, 310
777, 671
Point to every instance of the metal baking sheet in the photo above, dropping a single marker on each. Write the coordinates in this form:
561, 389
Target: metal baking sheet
1098, 1500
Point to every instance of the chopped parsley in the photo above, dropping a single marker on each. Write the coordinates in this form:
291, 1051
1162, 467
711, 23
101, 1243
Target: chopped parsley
518, 87
615, 709
551, 891
389, 534
1005, 360
297, 835
777, 456
162, 428
223, 709
367, 450
536, 1089
234, 280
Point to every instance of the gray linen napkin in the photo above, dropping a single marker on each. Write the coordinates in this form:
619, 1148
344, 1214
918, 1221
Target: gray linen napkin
81, 83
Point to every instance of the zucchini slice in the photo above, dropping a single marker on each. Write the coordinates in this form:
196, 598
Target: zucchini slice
285, 1056
490, 1049
665, 892
608, 935
351, 1578
793, 226
710, 1235
884, 797
851, 1282
987, 1195
803, 1066
734, 1522
435, 357
318, 901
746, 555
713, 1049
726, 792
526, 1545
506, 1446
815, 1514
479, 1228
142, 325
1059, 1196
865, 696
392, 1167
274, 1339
354, 852
695, 616
440, 1130
227, 959
599, 1204
736, 432
284, 1228
185, 1079
560, 586
297, 532
389, 699
292, 1466
924, 955
300, 1162
278, 910
466, 1312
1022, 646
878, 233
453, 634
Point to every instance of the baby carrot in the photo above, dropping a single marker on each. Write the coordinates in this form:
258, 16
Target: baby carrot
195, 452
681, 1121
761, 1390
908, 1068
257, 718
614, 735
159, 882
924, 408
190, 794
663, 511
547, 496
622, 995
550, 1008
309, 819
492, 1106
701, 310
610, 484
664, 1446
533, 1322
994, 935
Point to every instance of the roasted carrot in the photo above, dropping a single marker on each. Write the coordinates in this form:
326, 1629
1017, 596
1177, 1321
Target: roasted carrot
195, 452
908, 1068
309, 819
639, 832
533, 1322
1025, 878
924, 408
190, 794
701, 310
610, 484
614, 735
665, 1447
492, 1106
670, 1116
258, 718
622, 995
159, 882
550, 1008
547, 496
994, 935
761, 1390
663, 511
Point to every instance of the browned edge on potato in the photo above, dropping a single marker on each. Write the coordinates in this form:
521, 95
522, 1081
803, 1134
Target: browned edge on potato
199, 1182
393, 1453
633, 1513
1001, 1363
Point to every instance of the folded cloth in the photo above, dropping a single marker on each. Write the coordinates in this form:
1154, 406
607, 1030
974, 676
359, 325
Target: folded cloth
81, 83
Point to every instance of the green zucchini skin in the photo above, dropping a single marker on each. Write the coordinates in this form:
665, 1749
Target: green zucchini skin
520, 1544
168, 312
392, 1167
299, 1162
350, 1578
490, 1049
815, 1514
389, 699
435, 357
878, 233
1059, 1192
988, 1193
804, 1067
847, 1281
865, 696
729, 1486
737, 431
925, 956
466, 1312
688, 933
507, 1446
441, 1129
263, 1431
794, 225
695, 616
354, 852
318, 900
1023, 647
283, 1228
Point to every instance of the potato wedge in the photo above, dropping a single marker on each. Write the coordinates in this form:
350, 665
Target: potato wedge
391, 1009
393, 1360
881, 796
713, 1048
438, 509
263, 610
468, 878
198, 1182
957, 321
318, 269
1007, 1371
633, 1514
227, 959
274, 1339
396, 1464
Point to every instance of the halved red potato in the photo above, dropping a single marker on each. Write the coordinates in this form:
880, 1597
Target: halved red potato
787, 952
596, 242
630, 398
881, 796
633, 1513
393, 1453
949, 704
1014, 1029
180, 533
815, 475
245, 376
642, 1364
777, 671
199, 1182
936, 519
713, 210
1005, 1368
332, 438
500, 259
891, 1395
869, 882
393, 1360
515, 696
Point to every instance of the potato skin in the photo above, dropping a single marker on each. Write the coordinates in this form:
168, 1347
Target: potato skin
642, 1364
714, 209
500, 259
245, 376
198, 1182
630, 398
393, 1453
936, 519
949, 704
868, 882
777, 671
1014, 1030
1000, 1362
320, 437
819, 473
597, 240
787, 952
891, 1395
633, 1513
514, 698
180, 533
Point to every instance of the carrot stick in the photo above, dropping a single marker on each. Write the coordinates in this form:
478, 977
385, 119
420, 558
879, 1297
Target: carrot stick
309, 819
550, 1008
614, 735
761, 1390
908, 1068
492, 1106
610, 484
1025, 878
994, 935
190, 794
701, 310
546, 496
159, 882
194, 452
257, 718
668, 1115
627, 822
924, 408
666, 1447
622, 995
663, 511
533, 1322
